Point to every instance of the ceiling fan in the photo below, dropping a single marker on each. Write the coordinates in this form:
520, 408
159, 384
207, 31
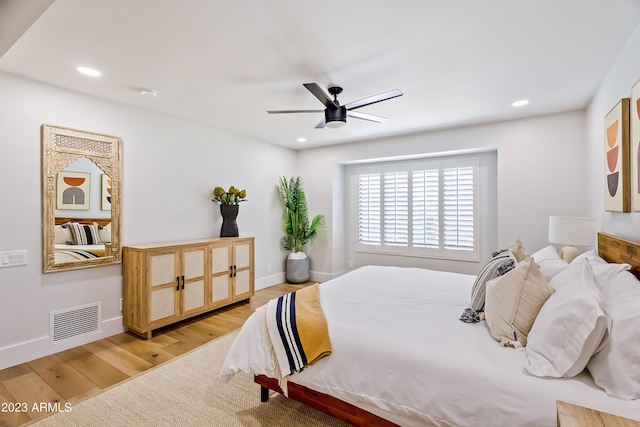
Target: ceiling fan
335, 115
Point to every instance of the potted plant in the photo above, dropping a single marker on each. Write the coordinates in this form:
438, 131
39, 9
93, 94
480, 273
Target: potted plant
297, 228
229, 207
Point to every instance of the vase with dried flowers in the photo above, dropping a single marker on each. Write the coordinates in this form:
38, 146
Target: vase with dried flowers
229, 207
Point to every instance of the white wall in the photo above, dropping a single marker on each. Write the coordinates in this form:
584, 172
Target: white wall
541, 171
170, 167
624, 73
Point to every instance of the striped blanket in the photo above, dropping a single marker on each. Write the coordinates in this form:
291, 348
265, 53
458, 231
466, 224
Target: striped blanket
298, 329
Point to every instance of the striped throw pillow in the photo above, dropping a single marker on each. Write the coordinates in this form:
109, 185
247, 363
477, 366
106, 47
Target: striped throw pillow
84, 234
500, 264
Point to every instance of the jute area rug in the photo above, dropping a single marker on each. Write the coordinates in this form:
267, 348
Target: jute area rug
188, 392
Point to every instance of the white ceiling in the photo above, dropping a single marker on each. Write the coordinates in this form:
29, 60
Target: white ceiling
224, 63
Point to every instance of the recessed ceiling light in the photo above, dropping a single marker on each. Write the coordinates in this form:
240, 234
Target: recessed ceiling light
149, 93
89, 71
520, 103
302, 139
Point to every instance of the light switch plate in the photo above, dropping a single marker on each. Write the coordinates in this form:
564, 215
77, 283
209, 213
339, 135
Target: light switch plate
13, 258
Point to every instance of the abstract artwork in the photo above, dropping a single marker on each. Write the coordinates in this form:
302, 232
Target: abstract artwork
106, 193
616, 128
73, 190
635, 147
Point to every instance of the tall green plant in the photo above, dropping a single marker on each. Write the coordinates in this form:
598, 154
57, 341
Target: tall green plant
295, 217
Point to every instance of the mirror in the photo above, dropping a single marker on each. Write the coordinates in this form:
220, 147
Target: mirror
80, 199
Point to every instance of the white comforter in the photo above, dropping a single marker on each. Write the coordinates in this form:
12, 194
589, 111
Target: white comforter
399, 351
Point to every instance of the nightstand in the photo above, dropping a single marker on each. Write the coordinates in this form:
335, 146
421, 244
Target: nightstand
570, 415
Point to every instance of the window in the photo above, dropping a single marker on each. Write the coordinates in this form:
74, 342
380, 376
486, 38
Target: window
424, 208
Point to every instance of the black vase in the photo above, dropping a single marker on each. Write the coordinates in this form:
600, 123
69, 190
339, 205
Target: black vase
229, 225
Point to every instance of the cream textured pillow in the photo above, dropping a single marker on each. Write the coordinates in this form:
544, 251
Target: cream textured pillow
517, 251
513, 302
570, 326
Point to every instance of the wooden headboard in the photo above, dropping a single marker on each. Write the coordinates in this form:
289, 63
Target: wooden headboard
615, 249
101, 221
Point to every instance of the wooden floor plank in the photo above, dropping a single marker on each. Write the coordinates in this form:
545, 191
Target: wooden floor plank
151, 350
64, 379
91, 366
12, 417
118, 357
32, 389
14, 371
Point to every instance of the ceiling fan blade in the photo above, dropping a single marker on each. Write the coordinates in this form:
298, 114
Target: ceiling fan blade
293, 111
320, 124
321, 95
364, 116
373, 99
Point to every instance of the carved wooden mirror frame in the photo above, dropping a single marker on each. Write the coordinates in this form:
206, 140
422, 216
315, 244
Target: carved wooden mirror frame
61, 147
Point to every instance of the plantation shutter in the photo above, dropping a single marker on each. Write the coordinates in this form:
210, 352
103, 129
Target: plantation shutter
425, 199
396, 208
426, 208
458, 215
369, 209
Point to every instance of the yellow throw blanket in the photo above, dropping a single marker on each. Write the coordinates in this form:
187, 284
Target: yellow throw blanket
298, 329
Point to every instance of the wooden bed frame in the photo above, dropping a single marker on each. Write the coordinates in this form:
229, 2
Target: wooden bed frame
621, 251
611, 248
100, 221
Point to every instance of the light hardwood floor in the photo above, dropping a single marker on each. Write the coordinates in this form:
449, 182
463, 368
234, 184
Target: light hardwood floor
81, 372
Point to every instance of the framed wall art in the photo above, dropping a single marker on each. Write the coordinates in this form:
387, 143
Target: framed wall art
616, 149
73, 190
105, 198
635, 147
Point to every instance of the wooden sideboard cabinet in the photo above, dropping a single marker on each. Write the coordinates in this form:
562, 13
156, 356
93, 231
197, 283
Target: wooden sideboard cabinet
164, 283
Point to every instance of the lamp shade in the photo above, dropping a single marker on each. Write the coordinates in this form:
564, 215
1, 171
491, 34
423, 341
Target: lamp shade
572, 230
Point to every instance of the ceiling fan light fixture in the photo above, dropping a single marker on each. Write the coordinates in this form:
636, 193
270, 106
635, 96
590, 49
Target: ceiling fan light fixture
335, 118
336, 124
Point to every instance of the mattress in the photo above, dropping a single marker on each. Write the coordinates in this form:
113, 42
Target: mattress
401, 352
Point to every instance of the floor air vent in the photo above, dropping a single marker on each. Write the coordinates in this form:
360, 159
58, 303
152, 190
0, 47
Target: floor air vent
75, 322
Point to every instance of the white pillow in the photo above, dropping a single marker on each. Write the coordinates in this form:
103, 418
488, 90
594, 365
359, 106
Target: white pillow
549, 262
105, 233
605, 272
570, 326
62, 235
616, 368
591, 256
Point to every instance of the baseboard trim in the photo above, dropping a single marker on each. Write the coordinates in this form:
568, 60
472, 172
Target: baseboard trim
268, 281
40, 347
320, 276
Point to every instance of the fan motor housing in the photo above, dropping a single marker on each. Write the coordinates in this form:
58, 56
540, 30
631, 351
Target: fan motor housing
337, 115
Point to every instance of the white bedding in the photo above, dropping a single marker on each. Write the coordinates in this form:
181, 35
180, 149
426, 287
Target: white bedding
399, 351
71, 253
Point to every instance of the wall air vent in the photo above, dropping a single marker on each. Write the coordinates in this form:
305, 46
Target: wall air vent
75, 322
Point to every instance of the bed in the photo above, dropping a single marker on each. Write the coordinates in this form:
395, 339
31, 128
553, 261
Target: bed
90, 239
400, 356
